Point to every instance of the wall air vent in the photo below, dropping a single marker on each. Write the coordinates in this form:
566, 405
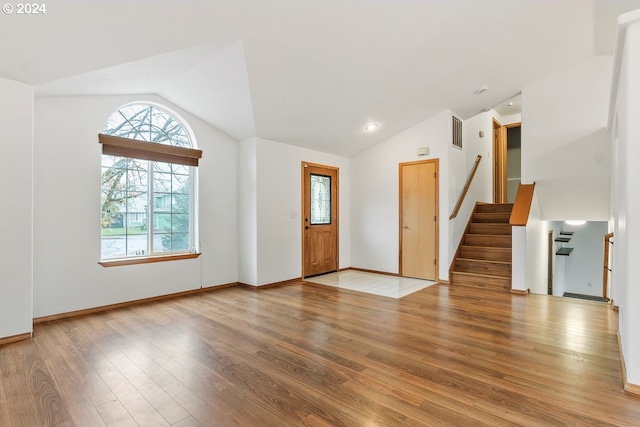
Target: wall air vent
456, 132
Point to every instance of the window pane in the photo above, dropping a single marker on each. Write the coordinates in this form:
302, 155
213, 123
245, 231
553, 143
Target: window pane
180, 242
181, 169
113, 246
181, 184
136, 217
320, 199
137, 202
162, 167
114, 178
114, 162
112, 224
112, 200
137, 245
137, 180
161, 202
162, 182
161, 242
180, 203
180, 223
162, 222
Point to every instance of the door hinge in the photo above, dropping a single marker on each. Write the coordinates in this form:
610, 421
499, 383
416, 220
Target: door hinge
435, 218
435, 261
435, 174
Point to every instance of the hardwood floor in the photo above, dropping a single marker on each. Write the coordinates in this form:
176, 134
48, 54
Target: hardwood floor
311, 355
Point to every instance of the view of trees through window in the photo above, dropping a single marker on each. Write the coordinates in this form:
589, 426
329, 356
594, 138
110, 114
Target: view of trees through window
146, 205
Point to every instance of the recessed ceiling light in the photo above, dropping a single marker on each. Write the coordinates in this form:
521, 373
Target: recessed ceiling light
510, 104
486, 109
482, 89
371, 127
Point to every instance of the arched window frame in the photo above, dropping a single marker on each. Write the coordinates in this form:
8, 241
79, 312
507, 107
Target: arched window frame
166, 151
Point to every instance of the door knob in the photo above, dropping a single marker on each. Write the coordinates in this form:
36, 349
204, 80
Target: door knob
405, 227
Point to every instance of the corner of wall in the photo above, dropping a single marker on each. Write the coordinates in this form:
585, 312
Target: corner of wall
247, 212
16, 227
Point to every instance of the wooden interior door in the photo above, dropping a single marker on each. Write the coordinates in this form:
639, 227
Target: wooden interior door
320, 219
419, 219
499, 163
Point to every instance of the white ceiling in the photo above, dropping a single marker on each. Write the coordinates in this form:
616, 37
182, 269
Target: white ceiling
306, 72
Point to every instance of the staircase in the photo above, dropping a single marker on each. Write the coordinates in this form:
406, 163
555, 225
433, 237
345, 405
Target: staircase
483, 258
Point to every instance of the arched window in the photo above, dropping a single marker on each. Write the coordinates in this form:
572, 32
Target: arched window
148, 178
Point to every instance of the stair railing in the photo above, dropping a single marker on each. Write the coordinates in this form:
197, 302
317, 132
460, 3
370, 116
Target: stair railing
522, 204
466, 187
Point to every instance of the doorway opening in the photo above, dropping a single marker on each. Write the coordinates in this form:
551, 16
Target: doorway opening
506, 161
578, 255
551, 252
606, 275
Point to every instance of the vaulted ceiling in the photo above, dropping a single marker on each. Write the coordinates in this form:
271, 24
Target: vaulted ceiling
306, 72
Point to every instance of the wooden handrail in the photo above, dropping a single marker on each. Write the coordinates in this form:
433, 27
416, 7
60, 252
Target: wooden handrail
466, 187
522, 204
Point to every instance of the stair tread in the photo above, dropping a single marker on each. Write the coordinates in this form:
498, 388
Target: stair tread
490, 235
491, 214
483, 260
492, 224
489, 287
488, 276
485, 247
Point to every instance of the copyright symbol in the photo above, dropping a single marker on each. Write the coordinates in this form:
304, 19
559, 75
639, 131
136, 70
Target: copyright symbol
7, 8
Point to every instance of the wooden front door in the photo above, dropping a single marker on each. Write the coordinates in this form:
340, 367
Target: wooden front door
419, 219
320, 219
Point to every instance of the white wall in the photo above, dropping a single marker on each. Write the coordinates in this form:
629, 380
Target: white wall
474, 145
565, 145
67, 160
375, 194
279, 203
626, 204
518, 258
16, 251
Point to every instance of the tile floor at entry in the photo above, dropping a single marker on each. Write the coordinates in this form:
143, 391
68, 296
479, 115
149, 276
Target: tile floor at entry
377, 284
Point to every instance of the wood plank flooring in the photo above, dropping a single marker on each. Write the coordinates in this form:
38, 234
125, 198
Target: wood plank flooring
311, 355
